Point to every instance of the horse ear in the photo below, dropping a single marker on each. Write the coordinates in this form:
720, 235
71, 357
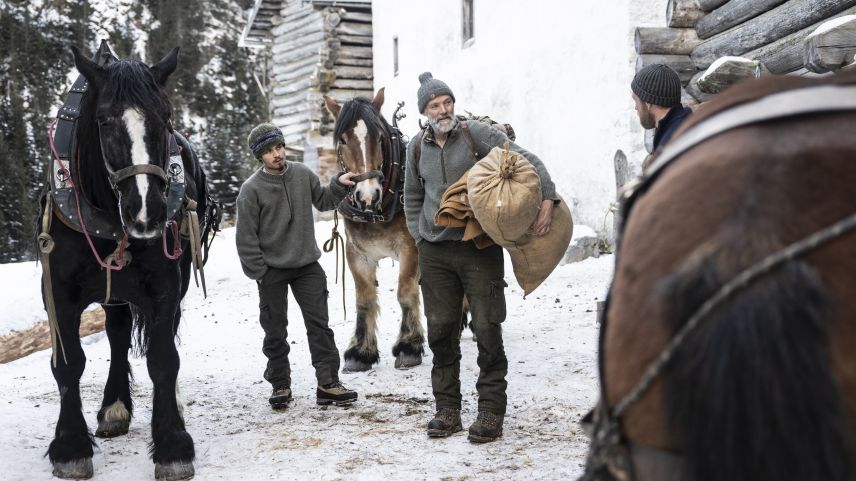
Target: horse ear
377, 103
89, 69
332, 106
165, 67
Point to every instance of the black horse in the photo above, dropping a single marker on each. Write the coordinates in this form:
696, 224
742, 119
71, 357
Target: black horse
125, 175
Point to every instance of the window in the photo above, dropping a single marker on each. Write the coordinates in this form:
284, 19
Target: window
395, 56
467, 32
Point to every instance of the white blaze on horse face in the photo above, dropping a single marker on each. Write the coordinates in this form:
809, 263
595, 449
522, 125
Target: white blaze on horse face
366, 190
135, 123
362, 133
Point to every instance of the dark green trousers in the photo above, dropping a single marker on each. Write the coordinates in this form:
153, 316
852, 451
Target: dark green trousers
450, 270
309, 285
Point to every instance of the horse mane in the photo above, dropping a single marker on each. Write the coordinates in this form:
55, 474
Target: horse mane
361, 108
773, 333
130, 83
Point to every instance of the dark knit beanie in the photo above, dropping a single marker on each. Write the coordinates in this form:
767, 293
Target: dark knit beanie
657, 84
431, 88
263, 137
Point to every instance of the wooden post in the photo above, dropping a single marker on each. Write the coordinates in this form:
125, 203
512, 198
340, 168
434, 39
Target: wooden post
666, 41
710, 5
622, 176
682, 64
767, 28
683, 13
731, 14
831, 46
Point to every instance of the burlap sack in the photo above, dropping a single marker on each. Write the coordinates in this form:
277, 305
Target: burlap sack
534, 258
504, 191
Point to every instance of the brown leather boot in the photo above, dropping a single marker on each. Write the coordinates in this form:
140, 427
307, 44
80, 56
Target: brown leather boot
446, 422
486, 428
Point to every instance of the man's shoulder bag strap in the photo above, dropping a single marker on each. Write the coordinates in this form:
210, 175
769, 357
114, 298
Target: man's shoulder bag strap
417, 148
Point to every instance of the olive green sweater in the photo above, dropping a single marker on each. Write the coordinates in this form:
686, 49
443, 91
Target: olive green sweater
275, 225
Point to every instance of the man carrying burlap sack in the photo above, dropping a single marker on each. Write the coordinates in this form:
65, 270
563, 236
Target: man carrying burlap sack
451, 268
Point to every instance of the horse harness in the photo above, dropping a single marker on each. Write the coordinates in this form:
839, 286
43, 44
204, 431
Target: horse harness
612, 457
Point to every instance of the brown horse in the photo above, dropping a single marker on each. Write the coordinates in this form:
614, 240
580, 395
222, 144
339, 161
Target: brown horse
376, 228
749, 365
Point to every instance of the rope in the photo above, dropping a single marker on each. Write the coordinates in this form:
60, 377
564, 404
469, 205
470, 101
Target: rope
176, 241
740, 281
336, 242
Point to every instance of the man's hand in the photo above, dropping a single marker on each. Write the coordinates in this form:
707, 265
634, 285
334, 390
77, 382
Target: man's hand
541, 226
345, 179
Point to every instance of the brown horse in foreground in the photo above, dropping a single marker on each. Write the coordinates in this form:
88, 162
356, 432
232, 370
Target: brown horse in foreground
764, 388
376, 228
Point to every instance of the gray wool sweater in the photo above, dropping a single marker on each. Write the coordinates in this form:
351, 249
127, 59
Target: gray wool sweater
442, 167
275, 226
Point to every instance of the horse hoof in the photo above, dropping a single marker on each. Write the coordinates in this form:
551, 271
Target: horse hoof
355, 365
174, 471
78, 469
406, 361
111, 429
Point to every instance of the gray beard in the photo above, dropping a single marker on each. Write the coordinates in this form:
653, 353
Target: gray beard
439, 129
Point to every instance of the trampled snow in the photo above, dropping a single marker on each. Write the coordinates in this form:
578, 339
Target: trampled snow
550, 339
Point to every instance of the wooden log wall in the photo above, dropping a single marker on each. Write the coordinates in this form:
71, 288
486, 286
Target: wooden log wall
317, 51
772, 32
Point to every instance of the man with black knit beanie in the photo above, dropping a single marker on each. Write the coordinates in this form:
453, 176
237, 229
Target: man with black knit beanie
275, 235
657, 95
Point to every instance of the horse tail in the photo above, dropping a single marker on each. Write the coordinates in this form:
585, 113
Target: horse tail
750, 394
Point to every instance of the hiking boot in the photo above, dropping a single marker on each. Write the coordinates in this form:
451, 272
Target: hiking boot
336, 394
486, 428
280, 397
446, 422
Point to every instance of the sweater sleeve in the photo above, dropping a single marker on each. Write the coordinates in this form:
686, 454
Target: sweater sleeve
498, 139
247, 235
326, 198
414, 191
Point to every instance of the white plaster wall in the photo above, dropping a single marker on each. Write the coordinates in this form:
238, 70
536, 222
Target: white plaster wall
557, 70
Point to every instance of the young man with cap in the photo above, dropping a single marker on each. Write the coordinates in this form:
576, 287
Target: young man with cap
275, 236
450, 268
657, 95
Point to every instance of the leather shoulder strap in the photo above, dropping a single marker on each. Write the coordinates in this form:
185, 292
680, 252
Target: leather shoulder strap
468, 137
417, 151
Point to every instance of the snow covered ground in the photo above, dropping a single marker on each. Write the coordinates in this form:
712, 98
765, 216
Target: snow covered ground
550, 340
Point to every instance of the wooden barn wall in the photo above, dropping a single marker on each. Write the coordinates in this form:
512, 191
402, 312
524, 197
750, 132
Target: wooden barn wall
317, 50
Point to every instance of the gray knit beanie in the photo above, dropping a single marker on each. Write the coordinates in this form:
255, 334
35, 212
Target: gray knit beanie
262, 137
657, 84
430, 88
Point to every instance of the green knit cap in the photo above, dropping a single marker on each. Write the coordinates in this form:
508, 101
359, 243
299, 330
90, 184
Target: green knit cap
263, 137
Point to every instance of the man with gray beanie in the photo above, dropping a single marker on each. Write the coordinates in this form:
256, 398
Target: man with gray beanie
275, 236
657, 95
450, 268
